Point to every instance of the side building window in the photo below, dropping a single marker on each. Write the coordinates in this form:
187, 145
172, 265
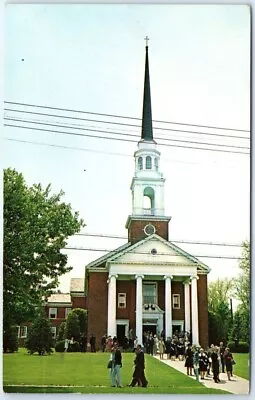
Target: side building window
156, 163
67, 311
54, 331
176, 301
22, 331
140, 163
148, 162
122, 300
53, 313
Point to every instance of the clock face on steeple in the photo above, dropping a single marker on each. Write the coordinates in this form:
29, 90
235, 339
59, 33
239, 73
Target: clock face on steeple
149, 229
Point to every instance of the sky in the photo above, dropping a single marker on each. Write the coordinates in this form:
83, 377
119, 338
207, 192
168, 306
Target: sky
91, 58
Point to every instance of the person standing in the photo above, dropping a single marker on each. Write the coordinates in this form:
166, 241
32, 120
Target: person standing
203, 363
116, 366
66, 344
189, 360
92, 342
222, 351
228, 359
138, 375
161, 348
196, 361
215, 364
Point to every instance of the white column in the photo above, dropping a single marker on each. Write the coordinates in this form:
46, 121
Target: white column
187, 305
168, 307
111, 321
139, 308
194, 307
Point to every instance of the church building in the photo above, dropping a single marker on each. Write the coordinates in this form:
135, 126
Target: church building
147, 284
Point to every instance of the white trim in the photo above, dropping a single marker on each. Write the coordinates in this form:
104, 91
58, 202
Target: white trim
54, 331
50, 312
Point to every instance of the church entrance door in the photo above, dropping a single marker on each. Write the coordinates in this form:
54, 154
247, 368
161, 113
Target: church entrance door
121, 334
150, 328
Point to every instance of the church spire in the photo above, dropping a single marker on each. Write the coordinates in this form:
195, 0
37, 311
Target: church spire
147, 133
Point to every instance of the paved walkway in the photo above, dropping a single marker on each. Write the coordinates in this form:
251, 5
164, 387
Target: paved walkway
237, 385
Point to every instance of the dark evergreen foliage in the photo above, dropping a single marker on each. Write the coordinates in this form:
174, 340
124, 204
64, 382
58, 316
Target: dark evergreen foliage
40, 338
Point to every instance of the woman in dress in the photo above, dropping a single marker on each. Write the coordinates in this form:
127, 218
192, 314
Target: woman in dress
228, 358
203, 363
189, 360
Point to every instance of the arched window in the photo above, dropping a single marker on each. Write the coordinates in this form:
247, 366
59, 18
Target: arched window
156, 163
148, 162
140, 163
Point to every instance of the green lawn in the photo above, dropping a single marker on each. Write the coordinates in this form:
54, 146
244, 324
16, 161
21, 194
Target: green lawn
87, 373
241, 368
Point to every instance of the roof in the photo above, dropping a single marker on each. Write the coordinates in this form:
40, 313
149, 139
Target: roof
147, 133
77, 285
104, 258
59, 298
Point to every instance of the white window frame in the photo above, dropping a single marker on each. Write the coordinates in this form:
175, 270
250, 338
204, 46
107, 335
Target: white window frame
54, 331
122, 300
147, 283
67, 311
178, 305
23, 331
55, 312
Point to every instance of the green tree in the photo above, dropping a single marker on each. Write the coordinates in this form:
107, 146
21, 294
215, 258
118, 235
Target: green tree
72, 328
61, 331
82, 315
40, 338
219, 293
36, 226
242, 292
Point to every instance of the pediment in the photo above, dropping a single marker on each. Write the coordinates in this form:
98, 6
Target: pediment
156, 250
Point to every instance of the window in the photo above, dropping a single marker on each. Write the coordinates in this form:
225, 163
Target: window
148, 162
122, 300
149, 293
156, 163
67, 312
176, 301
140, 163
54, 331
53, 313
23, 332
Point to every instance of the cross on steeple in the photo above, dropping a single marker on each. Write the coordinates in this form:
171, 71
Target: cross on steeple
146, 40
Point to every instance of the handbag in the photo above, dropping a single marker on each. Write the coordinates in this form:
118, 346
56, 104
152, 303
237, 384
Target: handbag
109, 365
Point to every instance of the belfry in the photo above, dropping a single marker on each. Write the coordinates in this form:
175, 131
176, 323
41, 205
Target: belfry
147, 284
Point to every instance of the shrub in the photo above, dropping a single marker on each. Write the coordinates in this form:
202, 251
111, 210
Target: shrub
241, 347
40, 336
60, 346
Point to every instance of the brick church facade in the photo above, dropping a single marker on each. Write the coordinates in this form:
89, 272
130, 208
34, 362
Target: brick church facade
148, 283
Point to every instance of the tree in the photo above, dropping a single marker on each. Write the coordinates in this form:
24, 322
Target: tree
40, 338
61, 332
219, 310
82, 315
36, 226
72, 328
242, 291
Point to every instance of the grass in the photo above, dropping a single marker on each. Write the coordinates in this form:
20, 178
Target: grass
241, 368
87, 373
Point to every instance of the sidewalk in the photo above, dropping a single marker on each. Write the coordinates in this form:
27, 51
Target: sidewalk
237, 385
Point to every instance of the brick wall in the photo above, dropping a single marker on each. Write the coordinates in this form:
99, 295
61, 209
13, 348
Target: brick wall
78, 302
203, 310
97, 305
136, 233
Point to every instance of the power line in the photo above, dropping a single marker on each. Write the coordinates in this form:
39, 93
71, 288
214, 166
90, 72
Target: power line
121, 116
144, 252
124, 124
101, 151
174, 241
119, 139
120, 133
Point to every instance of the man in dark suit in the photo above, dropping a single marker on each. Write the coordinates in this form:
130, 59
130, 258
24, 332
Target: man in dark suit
138, 375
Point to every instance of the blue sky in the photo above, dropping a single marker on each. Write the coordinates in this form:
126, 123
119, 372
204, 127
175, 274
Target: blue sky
91, 58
